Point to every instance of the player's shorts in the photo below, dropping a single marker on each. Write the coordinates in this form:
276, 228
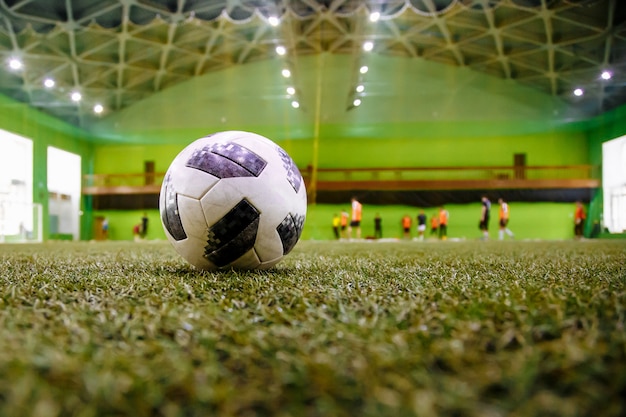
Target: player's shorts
421, 227
343, 227
355, 223
406, 229
504, 222
484, 224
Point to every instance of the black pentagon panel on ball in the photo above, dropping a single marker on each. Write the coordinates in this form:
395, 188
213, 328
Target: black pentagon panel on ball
227, 160
233, 235
289, 231
293, 173
170, 215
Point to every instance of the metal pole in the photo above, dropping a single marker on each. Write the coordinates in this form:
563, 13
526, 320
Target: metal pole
316, 129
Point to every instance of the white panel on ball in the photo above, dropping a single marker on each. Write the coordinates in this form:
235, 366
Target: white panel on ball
194, 222
194, 183
248, 260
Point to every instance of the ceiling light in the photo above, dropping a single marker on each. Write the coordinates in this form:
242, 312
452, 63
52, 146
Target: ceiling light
360, 88
357, 102
579, 92
374, 17
280, 50
363, 69
291, 90
48, 83
76, 96
273, 20
295, 104
606, 75
368, 46
15, 64
98, 108
286, 73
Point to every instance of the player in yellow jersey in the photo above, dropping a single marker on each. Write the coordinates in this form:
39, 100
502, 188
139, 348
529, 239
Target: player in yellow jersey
336, 224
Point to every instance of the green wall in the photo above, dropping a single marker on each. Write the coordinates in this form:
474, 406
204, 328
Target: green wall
121, 223
410, 150
124, 159
550, 148
46, 131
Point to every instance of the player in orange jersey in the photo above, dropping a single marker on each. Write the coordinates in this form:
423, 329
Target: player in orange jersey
434, 224
406, 226
504, 220
355, 219
443, 223
579, 220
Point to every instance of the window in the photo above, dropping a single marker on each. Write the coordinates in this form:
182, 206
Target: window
614, 184
16, 186
64, 182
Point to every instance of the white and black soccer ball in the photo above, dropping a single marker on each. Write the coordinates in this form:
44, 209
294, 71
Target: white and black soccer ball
233, 200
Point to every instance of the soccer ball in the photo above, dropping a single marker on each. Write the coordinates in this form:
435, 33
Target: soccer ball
233, 200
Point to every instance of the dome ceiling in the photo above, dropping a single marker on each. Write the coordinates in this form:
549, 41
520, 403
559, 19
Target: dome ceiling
117, 52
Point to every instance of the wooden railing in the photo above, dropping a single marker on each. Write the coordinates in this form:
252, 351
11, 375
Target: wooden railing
142, 183
451, 178
391, 179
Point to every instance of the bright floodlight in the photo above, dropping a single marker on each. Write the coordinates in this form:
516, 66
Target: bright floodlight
295, 104
606, 75
48, 83
360, 88
368, 46
291, 90
98, 108
286, 73
578, 92
357, 102
15, 64
76, 96
374, 17
273, 20
280, 50
363, 69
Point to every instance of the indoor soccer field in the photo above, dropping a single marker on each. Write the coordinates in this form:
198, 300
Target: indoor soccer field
323, 208
363, 329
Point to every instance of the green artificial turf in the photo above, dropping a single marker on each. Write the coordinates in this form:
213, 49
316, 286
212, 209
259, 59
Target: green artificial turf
336, 329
